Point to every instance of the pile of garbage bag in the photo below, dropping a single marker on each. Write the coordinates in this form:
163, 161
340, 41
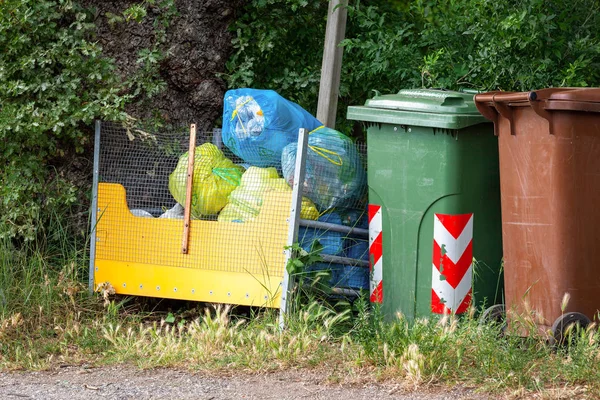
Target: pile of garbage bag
337, 244
261, 128
356, 247
338, 275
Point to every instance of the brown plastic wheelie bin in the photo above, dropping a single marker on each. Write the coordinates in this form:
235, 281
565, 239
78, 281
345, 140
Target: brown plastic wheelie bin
549, 148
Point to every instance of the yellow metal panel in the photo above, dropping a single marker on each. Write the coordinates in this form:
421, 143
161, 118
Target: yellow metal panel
240, 263
189, 283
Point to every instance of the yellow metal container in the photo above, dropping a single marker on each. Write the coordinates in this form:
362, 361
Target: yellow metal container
227, 262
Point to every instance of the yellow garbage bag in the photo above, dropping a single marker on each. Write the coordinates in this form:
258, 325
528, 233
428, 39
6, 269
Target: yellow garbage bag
215, 177
246, 200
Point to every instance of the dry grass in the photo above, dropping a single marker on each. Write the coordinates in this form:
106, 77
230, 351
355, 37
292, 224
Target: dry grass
48, 319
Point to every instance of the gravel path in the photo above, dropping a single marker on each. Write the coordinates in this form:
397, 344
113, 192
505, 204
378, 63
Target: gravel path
127, 382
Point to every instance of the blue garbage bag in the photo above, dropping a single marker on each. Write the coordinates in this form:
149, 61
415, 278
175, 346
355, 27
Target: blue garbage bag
332, 242
350, 276
334, 173
356, 247
258, 124
341, 276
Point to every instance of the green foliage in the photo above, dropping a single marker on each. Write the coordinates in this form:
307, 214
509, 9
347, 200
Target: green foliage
512, 45
54, 82
478, 44
136, 13
278, 45
53, 79
147, 82
379, 53
308, 286
301, 258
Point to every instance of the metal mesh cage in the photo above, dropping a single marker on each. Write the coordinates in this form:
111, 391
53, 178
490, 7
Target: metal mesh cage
240, 215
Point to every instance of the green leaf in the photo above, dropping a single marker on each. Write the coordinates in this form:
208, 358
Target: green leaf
170, 318
136, 12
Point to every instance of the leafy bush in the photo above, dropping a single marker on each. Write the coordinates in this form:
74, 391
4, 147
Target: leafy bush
53, 82
509, 45
477, 44
279, 46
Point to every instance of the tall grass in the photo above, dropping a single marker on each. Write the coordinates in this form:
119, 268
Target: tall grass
446, 351
47, 318
42, 277
44, 302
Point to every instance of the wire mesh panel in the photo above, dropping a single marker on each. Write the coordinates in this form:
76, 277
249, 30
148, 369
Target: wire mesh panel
238, 229
336, 181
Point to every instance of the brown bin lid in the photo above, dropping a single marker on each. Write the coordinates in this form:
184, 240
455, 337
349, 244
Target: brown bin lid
591, 95
544, 102
566, 99
575, 94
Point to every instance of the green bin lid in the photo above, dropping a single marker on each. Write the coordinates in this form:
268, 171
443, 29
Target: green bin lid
420, 107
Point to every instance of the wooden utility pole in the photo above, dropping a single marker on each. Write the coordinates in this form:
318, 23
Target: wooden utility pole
329, 89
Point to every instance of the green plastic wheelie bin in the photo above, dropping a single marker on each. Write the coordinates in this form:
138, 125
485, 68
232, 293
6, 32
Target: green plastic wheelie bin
434, 203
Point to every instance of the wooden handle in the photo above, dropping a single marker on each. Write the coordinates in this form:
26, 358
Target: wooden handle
187, 212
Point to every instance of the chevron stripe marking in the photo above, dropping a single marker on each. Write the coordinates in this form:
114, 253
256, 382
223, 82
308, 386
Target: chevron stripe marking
452, 269
374, 209
375, 248
455, 224
376, 273
376, 253
466, 303
377, 293
439, 308
455, 244
451, 297
453, 272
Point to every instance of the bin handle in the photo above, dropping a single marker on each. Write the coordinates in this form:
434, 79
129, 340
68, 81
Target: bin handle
489, 112
539, 107
506, 112
486, 109
489, 106
498, 97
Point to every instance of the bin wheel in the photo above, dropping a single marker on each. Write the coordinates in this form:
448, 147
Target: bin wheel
493, 314
565, 325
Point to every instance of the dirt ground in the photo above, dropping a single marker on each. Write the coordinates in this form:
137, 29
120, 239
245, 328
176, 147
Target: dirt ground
127, 382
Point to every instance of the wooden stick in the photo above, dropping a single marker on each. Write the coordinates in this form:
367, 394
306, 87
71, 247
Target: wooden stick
329, 88
187, 212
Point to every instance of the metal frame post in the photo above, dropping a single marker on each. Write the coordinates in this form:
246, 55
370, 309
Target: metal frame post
294, 221
94, 216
